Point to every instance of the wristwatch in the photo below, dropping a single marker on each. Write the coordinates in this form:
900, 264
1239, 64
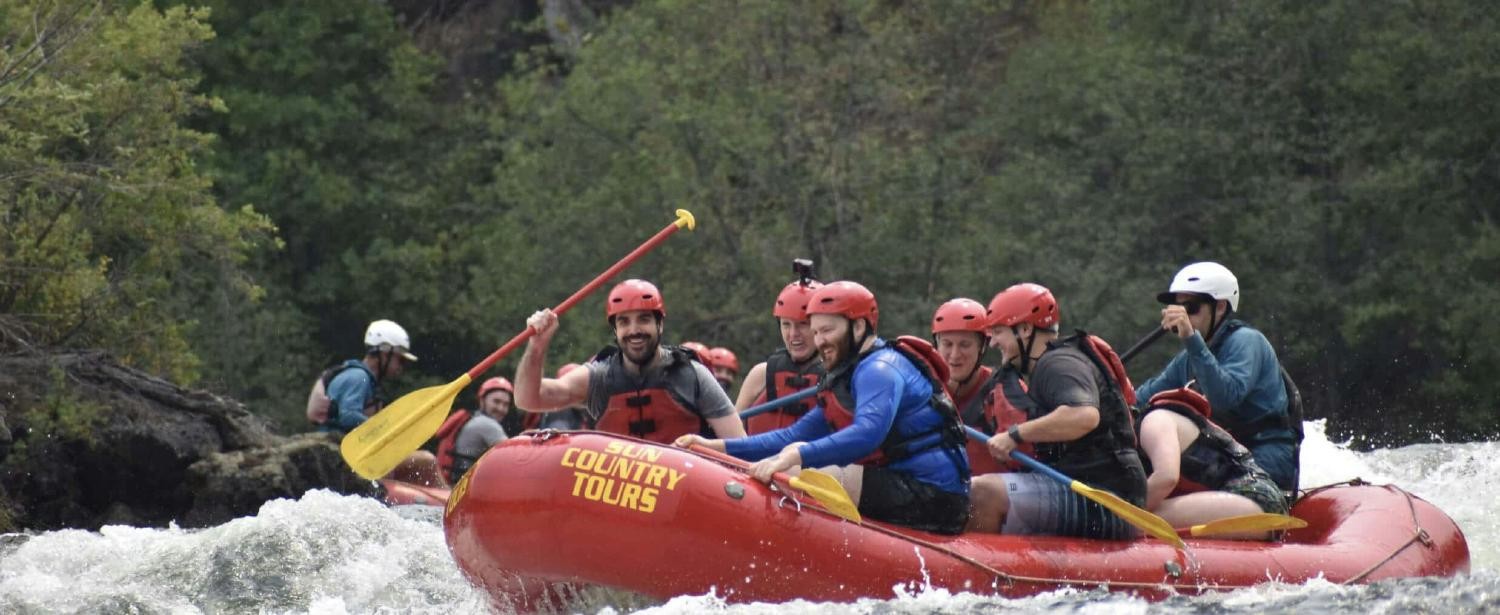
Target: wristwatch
1015, 434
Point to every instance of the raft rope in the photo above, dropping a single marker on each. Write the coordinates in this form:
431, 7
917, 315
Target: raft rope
1011, 580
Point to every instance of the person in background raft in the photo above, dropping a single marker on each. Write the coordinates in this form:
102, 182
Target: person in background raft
637, 387
344, 397
467, 435
1196, 472
1078, 420
1233, 365
884, 421
725, 365
958, 332
793, 367
571, 417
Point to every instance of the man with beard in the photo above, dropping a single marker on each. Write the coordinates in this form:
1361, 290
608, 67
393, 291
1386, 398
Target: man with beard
793, 367
1075, 415
884, 423
638, 387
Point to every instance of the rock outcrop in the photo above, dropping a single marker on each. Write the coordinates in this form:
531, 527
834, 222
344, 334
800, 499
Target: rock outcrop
86, 442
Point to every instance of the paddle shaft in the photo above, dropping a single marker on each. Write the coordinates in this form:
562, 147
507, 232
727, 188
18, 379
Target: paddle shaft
1145, 343
1036, 466
568, 303
779, 402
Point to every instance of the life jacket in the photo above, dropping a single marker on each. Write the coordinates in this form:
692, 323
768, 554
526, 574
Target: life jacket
658, 407
452, 464
321, 408
784, 377
1291, 421
1214, 458
1006, 403
1104, 455
973, 409
836, 397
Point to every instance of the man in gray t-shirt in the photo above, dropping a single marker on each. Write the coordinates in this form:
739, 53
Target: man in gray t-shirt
483, 430
641, 388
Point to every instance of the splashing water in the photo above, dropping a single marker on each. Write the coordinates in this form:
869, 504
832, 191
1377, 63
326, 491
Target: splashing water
332, 554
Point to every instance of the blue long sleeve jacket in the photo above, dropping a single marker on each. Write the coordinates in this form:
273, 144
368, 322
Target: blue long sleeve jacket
889, 393
1239, 375
349, 392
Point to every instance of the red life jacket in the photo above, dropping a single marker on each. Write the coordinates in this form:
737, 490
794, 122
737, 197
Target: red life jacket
658, 407
1005, 405
1214, 458
837, 399
447, 436
785, 377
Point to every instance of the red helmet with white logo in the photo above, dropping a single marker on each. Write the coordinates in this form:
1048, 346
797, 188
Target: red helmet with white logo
791, 304
1026, 302
844, 298
723, 357
960, 315
632, 295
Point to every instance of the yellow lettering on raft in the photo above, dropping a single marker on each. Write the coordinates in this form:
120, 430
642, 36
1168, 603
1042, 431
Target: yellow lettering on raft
622, 474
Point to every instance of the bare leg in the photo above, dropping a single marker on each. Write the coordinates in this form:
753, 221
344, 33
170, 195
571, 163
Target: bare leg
419, 468
1204, 506
988, 504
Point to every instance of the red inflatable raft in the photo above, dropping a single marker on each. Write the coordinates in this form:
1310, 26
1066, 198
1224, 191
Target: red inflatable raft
589, 508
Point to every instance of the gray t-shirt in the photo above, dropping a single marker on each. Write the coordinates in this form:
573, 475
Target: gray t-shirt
1065, 377
711, 400
478, 435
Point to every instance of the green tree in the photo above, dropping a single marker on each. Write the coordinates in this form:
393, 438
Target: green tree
108, 231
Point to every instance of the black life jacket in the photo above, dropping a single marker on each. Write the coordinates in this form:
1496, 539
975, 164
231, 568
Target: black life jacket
837, 399
785, 377
1214, 458
659, 406
1106, 456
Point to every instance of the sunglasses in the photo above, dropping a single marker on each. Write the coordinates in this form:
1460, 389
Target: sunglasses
1192, 306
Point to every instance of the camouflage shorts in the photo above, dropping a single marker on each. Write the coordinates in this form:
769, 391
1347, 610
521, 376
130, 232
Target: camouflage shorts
1261, 490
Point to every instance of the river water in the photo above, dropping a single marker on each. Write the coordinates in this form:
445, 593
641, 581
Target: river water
331, 554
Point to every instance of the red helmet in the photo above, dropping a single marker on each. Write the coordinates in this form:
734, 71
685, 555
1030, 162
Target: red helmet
1027, 302
632, 295
848, 299
960, 315
494, 384
567, 367
791, 304
723, 357
700, 350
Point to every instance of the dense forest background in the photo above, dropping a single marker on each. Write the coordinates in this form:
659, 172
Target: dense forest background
224, 193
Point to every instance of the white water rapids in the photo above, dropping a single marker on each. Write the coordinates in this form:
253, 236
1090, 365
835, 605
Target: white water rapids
331, 554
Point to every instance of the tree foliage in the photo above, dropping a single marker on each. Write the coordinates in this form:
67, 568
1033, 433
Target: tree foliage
1338, 156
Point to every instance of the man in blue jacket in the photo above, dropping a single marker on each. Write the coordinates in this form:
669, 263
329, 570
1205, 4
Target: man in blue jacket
1232, 364
880, 417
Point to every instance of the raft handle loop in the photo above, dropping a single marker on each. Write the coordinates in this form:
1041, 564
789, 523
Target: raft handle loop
785, 498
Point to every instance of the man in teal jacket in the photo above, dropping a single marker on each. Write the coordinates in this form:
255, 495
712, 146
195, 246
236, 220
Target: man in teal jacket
1232, 364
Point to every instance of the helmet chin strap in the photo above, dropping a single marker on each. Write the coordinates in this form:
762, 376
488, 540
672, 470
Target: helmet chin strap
1025, 346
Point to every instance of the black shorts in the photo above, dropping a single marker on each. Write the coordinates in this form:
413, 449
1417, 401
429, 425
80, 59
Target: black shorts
899, 498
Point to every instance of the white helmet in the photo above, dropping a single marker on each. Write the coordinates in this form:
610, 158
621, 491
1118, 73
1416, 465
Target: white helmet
1206, 278
387, 335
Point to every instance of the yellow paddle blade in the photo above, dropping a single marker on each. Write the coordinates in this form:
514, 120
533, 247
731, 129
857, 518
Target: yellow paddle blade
1132, 514
1258, 522
378, 445
828, 491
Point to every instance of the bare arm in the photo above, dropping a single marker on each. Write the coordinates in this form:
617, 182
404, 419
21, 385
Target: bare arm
1159, 441
1065, 424
538, 394
752, 387
726, 427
